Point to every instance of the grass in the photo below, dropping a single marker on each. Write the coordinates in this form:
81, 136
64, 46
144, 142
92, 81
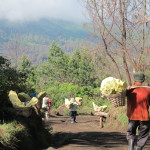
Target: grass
121, 117
9, 132
117, 118
25, 134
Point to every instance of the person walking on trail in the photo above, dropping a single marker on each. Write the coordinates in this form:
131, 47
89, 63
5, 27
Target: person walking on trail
49, 104
45, 106
73, 110
138, 101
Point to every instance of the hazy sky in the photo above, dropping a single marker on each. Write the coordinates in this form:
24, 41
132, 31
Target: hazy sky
71, 10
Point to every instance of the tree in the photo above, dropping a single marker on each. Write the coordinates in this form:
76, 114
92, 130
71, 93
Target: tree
117, 24
26, 74
81, 69
56, 65
25, 65
9, 79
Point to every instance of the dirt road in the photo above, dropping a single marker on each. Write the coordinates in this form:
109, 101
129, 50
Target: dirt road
85, 135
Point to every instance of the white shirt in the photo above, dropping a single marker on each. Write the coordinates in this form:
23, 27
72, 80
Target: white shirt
73, 106
44, 102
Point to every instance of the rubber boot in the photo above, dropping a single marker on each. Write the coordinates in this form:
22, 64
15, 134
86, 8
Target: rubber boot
131, 144
138, 148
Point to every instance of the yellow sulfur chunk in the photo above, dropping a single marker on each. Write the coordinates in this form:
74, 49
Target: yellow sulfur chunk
14, 99
112, 85
32, 102
24, 97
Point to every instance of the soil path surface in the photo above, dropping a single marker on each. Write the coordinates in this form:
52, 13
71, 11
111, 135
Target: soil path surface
85, 135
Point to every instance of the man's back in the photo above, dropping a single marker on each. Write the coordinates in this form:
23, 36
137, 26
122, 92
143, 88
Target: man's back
138, 100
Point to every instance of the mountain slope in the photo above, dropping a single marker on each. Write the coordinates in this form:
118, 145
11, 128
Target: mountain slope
34, 38
46, 28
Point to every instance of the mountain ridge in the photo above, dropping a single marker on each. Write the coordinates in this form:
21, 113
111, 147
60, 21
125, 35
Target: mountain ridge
34, 38
43, 27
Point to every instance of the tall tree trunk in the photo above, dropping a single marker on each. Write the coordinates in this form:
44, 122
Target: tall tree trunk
122, 12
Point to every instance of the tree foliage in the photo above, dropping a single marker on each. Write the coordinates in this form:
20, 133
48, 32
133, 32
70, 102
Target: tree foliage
27, 75
8, 79
77, 69
55, 66
81, 69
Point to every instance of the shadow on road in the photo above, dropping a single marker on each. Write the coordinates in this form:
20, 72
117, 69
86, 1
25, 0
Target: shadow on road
86, 139
84, 135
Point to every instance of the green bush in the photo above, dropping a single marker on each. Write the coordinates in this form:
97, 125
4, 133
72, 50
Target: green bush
25, 134
8, 134
59, 92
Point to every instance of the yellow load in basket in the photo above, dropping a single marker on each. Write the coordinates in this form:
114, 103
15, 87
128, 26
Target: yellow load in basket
114, 90
14, 99
32, 102
24, 97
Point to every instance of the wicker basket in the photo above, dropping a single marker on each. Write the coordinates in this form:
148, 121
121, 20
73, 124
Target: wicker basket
23, 111
117, 99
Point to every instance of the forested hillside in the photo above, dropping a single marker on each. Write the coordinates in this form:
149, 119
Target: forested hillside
53, 29
34, 38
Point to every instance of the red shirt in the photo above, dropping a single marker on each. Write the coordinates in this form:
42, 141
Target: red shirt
138, 101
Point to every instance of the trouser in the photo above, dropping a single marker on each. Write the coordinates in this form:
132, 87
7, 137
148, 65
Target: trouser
73, 115
143, 131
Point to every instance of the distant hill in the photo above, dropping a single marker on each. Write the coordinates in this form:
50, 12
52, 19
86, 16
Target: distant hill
53, 29
35, 37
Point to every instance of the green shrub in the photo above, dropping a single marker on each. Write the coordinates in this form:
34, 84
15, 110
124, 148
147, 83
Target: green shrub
25, 134
8, 136
59, 92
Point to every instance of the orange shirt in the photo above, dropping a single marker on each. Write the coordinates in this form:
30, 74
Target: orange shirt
138, 101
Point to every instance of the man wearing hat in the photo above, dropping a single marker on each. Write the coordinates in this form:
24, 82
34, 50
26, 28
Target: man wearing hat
138, 100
